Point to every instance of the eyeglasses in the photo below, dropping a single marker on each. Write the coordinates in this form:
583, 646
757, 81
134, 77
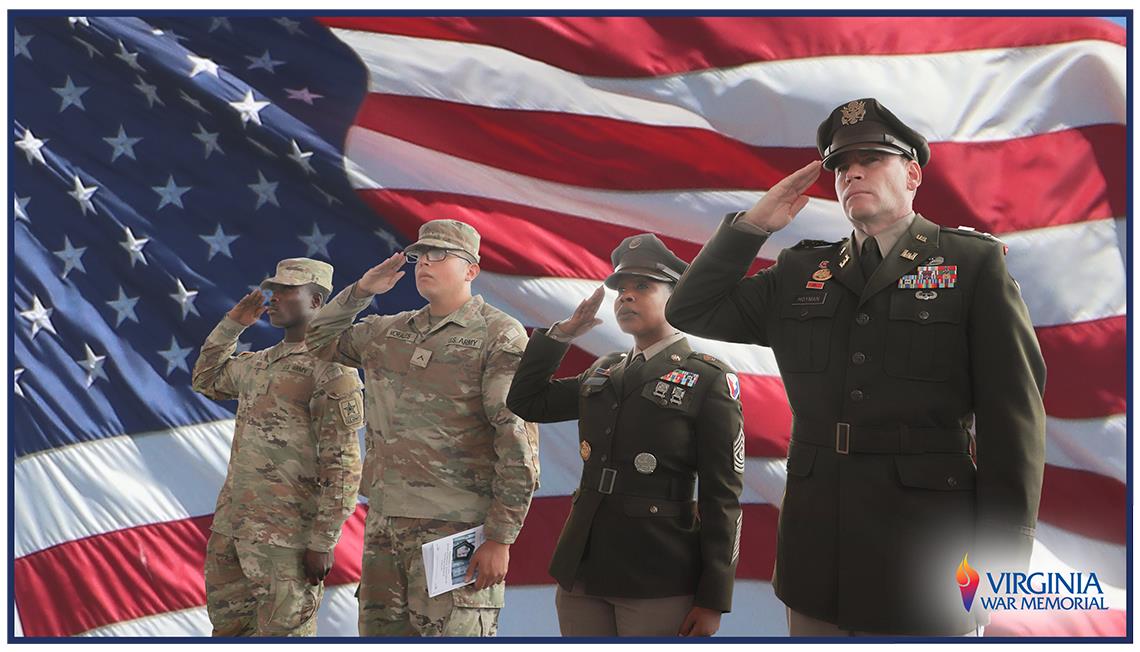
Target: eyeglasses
435, 255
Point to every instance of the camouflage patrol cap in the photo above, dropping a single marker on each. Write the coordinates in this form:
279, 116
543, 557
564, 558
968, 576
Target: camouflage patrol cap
302, 271
645, 255
446, 234
866, 124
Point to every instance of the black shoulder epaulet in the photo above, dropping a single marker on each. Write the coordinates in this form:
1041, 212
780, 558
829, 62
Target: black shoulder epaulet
710, 360
974, 233
814, 244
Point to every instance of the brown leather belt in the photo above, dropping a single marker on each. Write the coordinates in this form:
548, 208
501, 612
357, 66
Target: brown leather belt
898, 440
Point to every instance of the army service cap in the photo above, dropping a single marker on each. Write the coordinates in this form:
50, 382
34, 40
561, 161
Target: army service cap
866, 124
446, 234
302, 271
645, 255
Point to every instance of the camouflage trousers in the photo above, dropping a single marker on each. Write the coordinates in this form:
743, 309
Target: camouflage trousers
393, 585
255, 589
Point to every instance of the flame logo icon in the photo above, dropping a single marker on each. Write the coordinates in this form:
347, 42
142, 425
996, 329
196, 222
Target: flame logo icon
968, 582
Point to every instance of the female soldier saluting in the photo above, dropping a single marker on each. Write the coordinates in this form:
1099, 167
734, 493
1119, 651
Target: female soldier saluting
638, 556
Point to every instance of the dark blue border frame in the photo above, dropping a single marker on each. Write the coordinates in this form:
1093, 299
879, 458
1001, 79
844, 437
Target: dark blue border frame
1127, 14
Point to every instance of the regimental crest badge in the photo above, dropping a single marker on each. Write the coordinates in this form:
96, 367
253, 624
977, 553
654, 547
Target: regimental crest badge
853, 112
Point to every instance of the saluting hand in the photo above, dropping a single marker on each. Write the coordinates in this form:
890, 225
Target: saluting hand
382, 277
783, 201
249, 309
584, 317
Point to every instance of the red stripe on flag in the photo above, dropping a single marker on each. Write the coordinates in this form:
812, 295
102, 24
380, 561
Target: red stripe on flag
1002, 194
552, 244
133, 573
536, 542
636, 47
1085, 503
1087, 370
1112, 622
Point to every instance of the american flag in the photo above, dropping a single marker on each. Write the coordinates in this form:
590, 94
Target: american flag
162, 165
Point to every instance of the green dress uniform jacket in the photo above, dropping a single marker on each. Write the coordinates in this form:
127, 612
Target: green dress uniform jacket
632, 534
885, 379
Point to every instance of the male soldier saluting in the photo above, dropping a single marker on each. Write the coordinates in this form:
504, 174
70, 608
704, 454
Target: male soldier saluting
444, 452
294, 466
890, 344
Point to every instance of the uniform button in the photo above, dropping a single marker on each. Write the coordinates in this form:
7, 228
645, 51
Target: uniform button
862, 318
609, 430
653, 509
951, 481
857, 395
604, 457
614, 406
923, 315
858, 358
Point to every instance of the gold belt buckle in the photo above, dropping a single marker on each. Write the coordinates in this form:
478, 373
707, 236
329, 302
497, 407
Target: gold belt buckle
843, 438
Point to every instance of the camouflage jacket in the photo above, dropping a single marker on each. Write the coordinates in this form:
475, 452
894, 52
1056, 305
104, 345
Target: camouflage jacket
295, 462
441, 442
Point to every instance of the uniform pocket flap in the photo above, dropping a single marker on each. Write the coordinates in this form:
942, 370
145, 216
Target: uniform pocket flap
801, 457
944, 308
801, 311
938, 472
649, 507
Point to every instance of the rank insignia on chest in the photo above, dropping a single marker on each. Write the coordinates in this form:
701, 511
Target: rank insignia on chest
420, 357
929, 277
681, 377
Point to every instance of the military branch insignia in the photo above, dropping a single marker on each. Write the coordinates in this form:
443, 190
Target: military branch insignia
930, 276
853, 112
351, 411
584, 450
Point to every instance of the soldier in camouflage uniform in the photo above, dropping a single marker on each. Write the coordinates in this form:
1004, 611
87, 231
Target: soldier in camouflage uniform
444, 453
294, 467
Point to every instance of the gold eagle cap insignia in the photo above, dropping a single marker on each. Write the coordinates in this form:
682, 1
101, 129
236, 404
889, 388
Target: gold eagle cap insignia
853, 112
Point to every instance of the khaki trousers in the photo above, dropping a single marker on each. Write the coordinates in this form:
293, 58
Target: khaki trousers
801, 625
591, 615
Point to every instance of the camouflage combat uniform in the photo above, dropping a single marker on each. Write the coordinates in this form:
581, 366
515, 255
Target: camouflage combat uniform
292, 481
443, 452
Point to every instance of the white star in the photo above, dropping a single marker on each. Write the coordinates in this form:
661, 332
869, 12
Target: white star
192, 102
291, 26
134, 247
19, 391
20, 208
83, 194
21, 44
39, 316
31, 146
122, 145
329, 199
81, 20
131, 58
220, 22
265, 189
149, 91
265, 62
302, 158
317, 242
171, 193
171, 33
124, 308
72, 257
219, 243
92, 51
185, 298
201, 65
93, 364
388, 239
175, 357
71, 95
209, 139
303, 95
249, 108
